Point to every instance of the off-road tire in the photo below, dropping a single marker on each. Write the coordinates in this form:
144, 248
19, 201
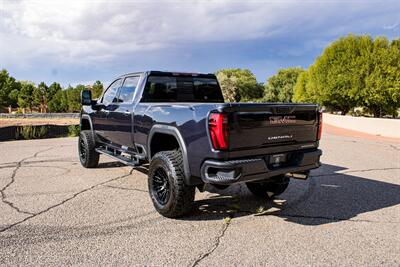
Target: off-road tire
268, 189
88, 156
181, 196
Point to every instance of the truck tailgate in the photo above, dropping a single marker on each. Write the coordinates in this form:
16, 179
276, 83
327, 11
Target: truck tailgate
263, 125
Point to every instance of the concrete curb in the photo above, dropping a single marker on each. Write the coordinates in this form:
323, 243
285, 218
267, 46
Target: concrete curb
374, 126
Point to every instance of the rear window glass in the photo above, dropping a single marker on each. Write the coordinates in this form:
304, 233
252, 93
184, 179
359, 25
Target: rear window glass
181, 89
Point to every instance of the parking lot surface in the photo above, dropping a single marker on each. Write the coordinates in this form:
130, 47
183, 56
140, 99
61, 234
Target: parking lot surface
55, 212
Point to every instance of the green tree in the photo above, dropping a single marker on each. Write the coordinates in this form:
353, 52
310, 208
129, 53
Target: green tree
338, 75
53, 89
229, 87
280, 87
355, 71
74, 98
25, 96
381, 95
9, 89
238, 84
97, 89
40, 96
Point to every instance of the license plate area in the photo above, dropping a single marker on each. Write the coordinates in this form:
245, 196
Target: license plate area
277, 160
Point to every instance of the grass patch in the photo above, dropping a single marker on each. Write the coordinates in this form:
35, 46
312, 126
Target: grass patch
73, 130
31, 132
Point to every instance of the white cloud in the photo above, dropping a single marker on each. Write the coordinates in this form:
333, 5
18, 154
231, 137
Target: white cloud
97, 31
92, 31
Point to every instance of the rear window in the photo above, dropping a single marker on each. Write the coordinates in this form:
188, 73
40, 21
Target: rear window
182, 89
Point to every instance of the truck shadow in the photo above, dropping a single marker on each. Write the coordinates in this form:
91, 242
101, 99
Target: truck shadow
328, 196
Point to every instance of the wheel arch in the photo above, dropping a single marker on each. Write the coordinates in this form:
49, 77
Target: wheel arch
160, 129
86, 123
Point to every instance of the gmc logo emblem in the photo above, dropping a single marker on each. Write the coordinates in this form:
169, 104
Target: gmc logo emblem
282, 119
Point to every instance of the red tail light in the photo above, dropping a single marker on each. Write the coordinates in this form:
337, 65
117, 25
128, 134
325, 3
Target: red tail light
319, 126
218, 127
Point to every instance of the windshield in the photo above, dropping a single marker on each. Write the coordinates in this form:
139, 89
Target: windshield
182, 89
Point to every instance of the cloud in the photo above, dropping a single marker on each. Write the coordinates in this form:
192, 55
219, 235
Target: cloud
90, 33
98, 31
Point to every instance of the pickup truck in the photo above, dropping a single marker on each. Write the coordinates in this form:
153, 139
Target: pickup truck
179, 124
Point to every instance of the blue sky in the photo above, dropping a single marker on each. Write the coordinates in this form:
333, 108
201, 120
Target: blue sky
82, 41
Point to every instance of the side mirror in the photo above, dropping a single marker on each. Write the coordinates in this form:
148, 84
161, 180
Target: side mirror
86, 97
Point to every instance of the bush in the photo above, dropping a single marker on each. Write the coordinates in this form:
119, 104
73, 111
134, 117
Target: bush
31, 132
73, 130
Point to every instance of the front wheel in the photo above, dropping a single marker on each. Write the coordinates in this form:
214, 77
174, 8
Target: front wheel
88, 156
170, 195
274, 187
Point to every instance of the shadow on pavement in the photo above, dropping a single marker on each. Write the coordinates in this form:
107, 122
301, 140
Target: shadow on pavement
324, 198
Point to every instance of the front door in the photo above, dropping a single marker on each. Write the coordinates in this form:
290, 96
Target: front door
122, 116
102, 124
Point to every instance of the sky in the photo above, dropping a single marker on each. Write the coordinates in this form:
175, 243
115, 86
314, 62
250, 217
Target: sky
73, 42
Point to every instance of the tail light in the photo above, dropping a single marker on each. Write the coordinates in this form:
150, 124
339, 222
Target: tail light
219, 131
319, 125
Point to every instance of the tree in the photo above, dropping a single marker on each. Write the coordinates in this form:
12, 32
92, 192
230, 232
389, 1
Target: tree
9, 89
381, 95
280, 87
97, 89
40, 96
25, 96
238, 84
74, 98
355, 71
229, 87
338, 75
53, 89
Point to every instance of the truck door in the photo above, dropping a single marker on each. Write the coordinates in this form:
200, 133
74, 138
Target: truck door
122, 116
108, 101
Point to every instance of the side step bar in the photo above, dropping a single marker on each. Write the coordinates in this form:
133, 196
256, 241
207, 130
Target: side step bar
133, 162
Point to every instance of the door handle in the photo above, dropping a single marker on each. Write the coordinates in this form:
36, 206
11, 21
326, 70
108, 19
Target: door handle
106, 111
127, 112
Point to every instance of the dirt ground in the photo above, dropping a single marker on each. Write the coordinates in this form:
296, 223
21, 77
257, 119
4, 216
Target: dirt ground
4, 122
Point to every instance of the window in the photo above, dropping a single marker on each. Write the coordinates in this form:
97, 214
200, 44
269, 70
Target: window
111, 93
181, 89
128, 89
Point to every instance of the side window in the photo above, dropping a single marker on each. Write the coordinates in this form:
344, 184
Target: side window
128, 89
110, 95
160, 89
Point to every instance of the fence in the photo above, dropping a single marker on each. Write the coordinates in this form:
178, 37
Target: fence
39, 115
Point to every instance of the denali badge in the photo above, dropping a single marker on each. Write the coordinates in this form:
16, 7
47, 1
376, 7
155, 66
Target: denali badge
282, 119
278, 137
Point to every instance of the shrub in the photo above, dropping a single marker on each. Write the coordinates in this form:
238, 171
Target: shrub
73, 130
31, 132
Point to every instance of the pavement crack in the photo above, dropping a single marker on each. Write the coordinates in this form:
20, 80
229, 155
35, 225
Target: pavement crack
216, 243
125, 188
64, 201
395, 147
353, 171
333, 219
18, 165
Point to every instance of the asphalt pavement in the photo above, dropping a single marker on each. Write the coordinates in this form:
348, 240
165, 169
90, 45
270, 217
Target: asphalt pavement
55, 212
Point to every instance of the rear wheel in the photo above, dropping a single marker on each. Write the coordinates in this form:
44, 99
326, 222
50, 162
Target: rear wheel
274, 187
170, 195
88, 156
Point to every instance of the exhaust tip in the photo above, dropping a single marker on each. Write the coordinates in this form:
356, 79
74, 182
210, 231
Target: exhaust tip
299, 175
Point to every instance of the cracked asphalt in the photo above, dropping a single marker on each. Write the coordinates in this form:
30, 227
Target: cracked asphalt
54, 212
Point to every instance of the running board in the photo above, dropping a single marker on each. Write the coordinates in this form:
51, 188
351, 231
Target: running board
134, 162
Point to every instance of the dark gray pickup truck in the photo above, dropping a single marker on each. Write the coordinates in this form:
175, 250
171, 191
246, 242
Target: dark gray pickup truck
179, 123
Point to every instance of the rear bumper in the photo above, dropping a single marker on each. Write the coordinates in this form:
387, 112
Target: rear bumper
256, 168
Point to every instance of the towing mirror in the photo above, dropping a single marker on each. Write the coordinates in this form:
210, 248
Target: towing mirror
86, 97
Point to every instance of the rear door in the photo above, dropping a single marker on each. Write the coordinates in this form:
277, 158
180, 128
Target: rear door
122, 116
263, 125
